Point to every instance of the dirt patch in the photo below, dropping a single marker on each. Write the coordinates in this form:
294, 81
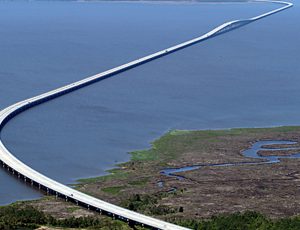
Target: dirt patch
266, 153
59, 208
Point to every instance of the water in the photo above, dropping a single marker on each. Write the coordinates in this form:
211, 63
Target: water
258, 146
239, 79
252, 152
172, 172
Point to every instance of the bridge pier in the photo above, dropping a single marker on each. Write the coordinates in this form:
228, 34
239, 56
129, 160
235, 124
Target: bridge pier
99, 210
66, 198
131, 223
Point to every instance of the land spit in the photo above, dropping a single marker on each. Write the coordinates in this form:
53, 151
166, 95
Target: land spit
272, 189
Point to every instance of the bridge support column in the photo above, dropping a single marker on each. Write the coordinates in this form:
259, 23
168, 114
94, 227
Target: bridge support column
39, 186
13, 172
88, 207
31, 183
131, 223
47, 191
66, 198
25, 178
77, 202
56, 195
19, 175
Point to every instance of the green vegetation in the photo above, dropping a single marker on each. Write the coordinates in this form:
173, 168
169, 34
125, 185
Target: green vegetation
242, 221
113, 173
171, 145
132, 184
143, 155
148, 204
140, 182
17, 217
12, 217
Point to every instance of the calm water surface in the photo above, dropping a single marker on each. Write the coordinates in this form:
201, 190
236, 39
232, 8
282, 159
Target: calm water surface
246, 78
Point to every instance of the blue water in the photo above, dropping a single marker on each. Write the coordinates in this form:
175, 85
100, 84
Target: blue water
252, 152
239, 79
258, 146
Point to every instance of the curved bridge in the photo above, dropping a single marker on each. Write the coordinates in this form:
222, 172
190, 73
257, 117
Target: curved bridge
11, 163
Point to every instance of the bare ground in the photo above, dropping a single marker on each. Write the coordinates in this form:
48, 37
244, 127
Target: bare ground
272, 189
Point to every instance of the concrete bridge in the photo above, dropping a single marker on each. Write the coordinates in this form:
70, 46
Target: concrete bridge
19, 169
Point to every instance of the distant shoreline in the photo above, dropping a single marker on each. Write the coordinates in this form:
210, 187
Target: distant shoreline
159, 1
166, 1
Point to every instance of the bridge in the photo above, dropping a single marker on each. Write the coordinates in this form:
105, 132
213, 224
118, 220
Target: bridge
21, 170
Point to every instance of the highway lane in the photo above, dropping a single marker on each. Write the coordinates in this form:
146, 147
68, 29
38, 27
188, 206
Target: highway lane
10, 162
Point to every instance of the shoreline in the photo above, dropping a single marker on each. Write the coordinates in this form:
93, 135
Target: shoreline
181, 148
167, 1
175, 201
175, 2
145, 154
